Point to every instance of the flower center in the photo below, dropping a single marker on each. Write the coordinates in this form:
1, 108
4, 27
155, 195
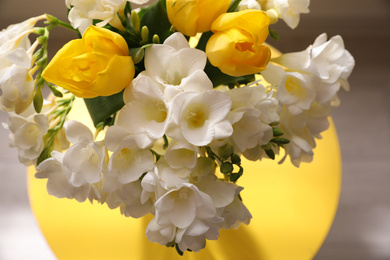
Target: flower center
91, 155
293, 85
245, 46
173, 78
124, 158
196, 115
156, 110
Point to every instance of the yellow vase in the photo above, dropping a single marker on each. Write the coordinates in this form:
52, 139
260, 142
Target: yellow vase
293, 209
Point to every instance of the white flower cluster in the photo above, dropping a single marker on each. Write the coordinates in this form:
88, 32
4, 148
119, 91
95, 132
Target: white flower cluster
307, 83
27, 128
288, 10
83, 12
173, 99
16, 82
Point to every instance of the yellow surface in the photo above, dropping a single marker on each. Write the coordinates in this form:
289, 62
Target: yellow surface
292, 212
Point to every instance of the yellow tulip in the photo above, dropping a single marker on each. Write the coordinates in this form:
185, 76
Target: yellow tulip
192, 16
236, 45
96, 65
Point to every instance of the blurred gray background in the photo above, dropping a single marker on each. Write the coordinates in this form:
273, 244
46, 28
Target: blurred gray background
361, 229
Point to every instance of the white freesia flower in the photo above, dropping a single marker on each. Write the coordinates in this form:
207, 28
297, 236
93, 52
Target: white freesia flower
294, 89
182, 205
329, 60
248, 4
252, 112
176, 67
131, 197
205, 166
128, 161
236, 213
153, 185
289, 10
307, 91
302, 142
16, 36
199, 118
172, 177
27, 132
194, 237
16, 82
146, 111
302, 130
162, 234
181, 155
83, 12
221, 192
125, 196
58, 176
84, 158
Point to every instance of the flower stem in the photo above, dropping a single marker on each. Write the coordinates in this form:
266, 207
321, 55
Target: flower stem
52, 20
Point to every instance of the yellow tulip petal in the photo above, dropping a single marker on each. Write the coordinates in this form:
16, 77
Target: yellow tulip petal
191, 17
106, 41
209, 10
236, 46
183, 15
117, 76
96, 65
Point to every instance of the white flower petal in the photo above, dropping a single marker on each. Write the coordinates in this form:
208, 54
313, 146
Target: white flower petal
114, 137
74, 130
177, 41
20, 58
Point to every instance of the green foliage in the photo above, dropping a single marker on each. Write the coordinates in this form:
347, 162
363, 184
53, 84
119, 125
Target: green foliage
102, 109
63, 108
160, 26
274, 35
233, 5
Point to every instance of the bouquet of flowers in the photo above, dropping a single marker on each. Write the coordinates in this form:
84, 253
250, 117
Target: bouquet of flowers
178, 91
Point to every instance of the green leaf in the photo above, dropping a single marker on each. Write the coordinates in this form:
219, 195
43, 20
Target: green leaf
203, 40
137, 54
44, 155
101, 108
274, 34
219, 78
233, 5
156, 19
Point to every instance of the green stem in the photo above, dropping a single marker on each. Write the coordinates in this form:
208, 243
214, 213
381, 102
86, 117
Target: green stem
52, 20
213, 155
